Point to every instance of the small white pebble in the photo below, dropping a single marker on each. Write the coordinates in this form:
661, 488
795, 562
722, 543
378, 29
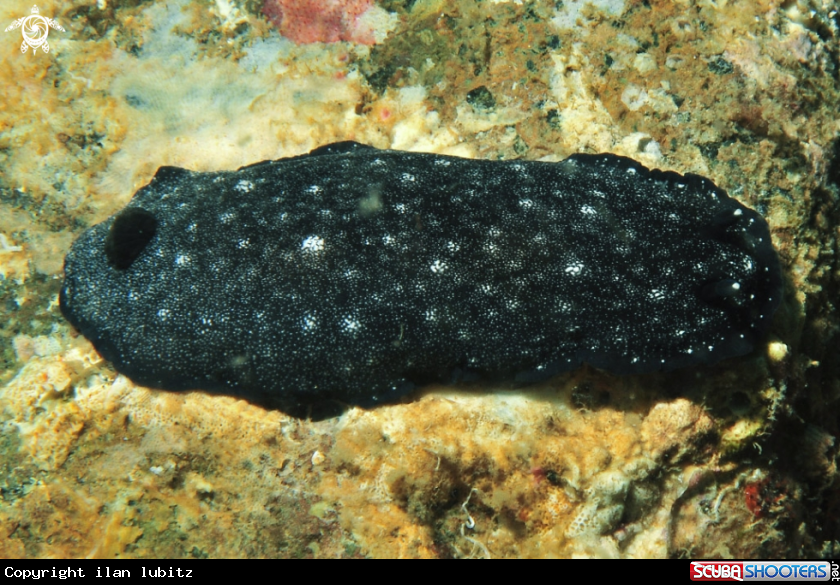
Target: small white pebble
777, 351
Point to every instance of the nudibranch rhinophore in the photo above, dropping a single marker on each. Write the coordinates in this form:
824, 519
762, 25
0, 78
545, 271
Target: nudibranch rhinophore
356, 274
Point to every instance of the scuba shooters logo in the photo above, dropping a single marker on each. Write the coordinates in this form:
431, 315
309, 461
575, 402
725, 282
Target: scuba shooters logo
35, 29
717, 571
764, 571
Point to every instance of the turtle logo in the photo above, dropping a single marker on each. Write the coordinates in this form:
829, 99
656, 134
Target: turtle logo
35, 30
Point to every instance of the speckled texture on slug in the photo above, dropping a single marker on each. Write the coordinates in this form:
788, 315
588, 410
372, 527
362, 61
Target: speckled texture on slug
356, 274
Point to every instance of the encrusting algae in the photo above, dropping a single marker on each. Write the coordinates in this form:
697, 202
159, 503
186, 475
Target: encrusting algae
736, 460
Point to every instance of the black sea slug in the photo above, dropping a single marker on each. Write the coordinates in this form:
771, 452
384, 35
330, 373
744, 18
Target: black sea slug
355, 274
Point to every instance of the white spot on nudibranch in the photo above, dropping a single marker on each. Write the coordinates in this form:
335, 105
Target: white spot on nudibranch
310, 322
244, 186
574, 269
312, 244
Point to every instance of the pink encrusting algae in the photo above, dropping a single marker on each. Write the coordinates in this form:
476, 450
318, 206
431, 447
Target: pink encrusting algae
326, 21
